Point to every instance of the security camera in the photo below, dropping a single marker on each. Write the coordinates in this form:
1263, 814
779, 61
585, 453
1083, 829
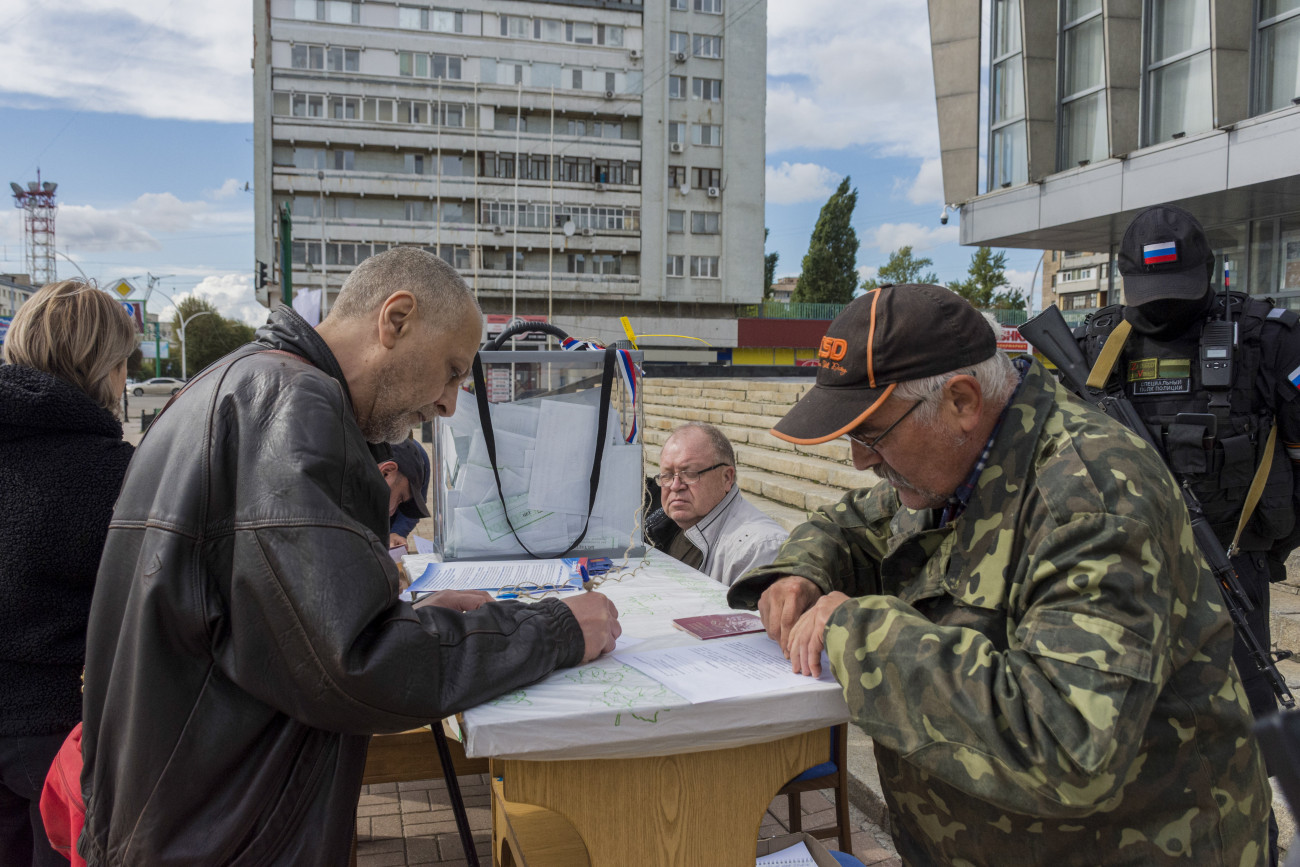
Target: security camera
943, 217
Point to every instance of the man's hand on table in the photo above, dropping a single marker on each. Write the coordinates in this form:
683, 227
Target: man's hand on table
396, 541
808, 638
456, 600
599, 621
781, 605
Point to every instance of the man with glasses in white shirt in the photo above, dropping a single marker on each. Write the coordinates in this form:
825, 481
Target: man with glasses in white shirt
713, 528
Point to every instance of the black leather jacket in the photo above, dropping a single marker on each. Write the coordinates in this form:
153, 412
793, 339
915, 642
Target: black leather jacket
246, 637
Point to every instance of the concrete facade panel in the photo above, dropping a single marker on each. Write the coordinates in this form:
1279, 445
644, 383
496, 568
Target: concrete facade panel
1083, 193
1178, 171
1263, 149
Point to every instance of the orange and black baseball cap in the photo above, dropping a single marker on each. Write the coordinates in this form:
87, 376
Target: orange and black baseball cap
889, 335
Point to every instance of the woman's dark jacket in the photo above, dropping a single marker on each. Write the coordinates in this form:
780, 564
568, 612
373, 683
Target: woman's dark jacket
62, 460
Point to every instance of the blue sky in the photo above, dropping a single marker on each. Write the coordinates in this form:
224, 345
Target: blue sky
141, 111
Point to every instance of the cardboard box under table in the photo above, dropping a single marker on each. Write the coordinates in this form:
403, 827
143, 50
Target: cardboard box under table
603, 766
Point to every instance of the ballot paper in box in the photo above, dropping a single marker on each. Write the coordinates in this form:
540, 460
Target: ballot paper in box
535, 498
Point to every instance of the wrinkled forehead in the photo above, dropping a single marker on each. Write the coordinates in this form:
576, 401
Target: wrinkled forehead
686, 448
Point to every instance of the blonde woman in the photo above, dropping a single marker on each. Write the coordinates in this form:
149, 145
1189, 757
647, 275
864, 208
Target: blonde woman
62, 460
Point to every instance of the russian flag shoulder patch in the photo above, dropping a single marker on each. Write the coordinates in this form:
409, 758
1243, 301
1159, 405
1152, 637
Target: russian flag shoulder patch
1154, 254
1294, 377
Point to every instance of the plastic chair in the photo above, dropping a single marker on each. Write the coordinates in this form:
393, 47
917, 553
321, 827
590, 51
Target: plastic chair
827, 775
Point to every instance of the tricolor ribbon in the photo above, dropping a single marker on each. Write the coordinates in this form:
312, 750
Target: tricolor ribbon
627, 369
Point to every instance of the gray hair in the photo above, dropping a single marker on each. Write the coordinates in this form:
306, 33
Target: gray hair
995, 374
722, 449
435, 284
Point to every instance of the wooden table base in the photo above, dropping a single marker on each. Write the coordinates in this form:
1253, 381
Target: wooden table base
686, 810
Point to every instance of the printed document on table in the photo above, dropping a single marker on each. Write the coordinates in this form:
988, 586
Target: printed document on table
492, 575
796, 856
723, 668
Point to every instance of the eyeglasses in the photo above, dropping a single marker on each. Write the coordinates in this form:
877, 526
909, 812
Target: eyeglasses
688, 477
874, 442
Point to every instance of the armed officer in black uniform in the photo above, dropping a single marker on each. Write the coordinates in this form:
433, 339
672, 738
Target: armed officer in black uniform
1216, 378
1212, 374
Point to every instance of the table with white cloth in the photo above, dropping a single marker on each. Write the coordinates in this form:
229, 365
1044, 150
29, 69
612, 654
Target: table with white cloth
603, 765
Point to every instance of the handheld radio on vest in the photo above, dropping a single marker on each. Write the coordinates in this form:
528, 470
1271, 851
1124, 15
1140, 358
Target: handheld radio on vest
1218, 338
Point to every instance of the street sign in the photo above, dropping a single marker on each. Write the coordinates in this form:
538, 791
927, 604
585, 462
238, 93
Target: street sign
4, 327
135, 310
148, 348
123, 288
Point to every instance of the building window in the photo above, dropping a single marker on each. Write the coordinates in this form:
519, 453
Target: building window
308, 57
579, 33
333, 11
704, 266
708, 89
706, 46
1278, 55
343, 60
676, 223
677, 87
1084, 137
608, 34
713, 7
1178, 86
702, 179
680, 5
308, 106
676, 132
678, 43
577, 79
1008, 163
442, 21
344, 108
676, 266
706, 135
705, 222
515, 27
676, 176
345, 161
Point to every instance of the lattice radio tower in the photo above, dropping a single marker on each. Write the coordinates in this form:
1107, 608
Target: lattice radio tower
38, 206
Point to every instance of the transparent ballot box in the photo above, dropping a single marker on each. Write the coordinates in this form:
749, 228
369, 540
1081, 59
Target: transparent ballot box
545, 412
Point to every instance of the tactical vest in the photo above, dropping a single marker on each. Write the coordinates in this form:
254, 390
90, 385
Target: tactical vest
1217, 458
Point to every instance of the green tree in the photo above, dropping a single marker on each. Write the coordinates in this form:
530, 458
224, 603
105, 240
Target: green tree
903, 267
830, 267
207, 337
769, 268
986, 285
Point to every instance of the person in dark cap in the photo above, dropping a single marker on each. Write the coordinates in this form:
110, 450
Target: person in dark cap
1215, 376
1014, 612
407, 474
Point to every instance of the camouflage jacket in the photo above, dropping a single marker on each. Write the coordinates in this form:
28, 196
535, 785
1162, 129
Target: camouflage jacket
1047, 679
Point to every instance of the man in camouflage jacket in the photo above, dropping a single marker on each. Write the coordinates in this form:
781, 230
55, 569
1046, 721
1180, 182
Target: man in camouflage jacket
1038, 652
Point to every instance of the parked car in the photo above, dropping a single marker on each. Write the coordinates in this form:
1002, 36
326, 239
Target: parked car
158, 385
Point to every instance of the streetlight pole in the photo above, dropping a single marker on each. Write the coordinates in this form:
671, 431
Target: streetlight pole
185, 322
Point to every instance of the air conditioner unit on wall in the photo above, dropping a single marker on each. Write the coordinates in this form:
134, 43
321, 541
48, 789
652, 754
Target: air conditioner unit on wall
609, 94
675, 147
587, 233
714, 192
498, 230
680, 57
635, 53
600, 188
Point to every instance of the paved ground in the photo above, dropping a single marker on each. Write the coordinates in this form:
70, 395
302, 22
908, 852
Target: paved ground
402, 824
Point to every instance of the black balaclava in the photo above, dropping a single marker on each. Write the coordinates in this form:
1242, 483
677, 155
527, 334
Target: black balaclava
1171, 317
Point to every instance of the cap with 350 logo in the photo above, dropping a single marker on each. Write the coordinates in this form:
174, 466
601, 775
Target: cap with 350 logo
889, 335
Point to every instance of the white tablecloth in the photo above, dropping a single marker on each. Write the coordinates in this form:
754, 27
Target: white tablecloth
609, 710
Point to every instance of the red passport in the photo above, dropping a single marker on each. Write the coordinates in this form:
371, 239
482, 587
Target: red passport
719, 625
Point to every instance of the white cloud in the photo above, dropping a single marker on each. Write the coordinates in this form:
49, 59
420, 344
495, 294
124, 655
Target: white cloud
888, 237
136, 225
228, 189
790, 183
927, 186
234, 296
868, 81
85, 227
154, 58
